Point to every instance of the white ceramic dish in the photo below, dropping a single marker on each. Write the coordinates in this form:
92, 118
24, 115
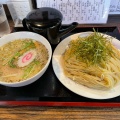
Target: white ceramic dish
19, 35
73, 86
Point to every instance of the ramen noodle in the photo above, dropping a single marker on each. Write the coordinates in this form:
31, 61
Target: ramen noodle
21, 59
92, 61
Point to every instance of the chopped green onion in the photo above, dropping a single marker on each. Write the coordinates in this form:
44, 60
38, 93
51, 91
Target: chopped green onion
28, 45
92, 49
29, 69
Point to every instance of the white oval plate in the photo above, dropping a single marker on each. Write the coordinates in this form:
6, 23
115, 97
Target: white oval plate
73, 86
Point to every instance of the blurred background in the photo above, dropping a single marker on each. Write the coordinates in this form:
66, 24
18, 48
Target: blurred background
82, 11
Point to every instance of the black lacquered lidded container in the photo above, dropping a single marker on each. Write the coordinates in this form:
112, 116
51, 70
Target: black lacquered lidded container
47, 22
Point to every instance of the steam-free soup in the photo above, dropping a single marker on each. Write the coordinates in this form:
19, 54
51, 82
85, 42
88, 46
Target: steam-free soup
21, 59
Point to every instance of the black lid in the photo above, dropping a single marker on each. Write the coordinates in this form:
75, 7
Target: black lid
44, 17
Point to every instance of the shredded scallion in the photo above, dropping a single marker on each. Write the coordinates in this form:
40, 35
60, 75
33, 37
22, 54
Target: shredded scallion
92, 49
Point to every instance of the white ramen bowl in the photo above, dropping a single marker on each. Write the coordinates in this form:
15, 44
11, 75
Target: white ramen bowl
22, 35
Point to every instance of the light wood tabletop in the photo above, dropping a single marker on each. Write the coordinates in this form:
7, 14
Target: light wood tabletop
51, 113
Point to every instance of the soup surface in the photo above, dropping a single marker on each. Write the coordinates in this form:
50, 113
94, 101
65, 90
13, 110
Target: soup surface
21, 59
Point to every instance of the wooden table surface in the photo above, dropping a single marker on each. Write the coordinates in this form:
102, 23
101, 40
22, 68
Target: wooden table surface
51, 113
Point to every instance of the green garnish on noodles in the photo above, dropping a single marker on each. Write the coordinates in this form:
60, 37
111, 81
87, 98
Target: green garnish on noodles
92, 49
